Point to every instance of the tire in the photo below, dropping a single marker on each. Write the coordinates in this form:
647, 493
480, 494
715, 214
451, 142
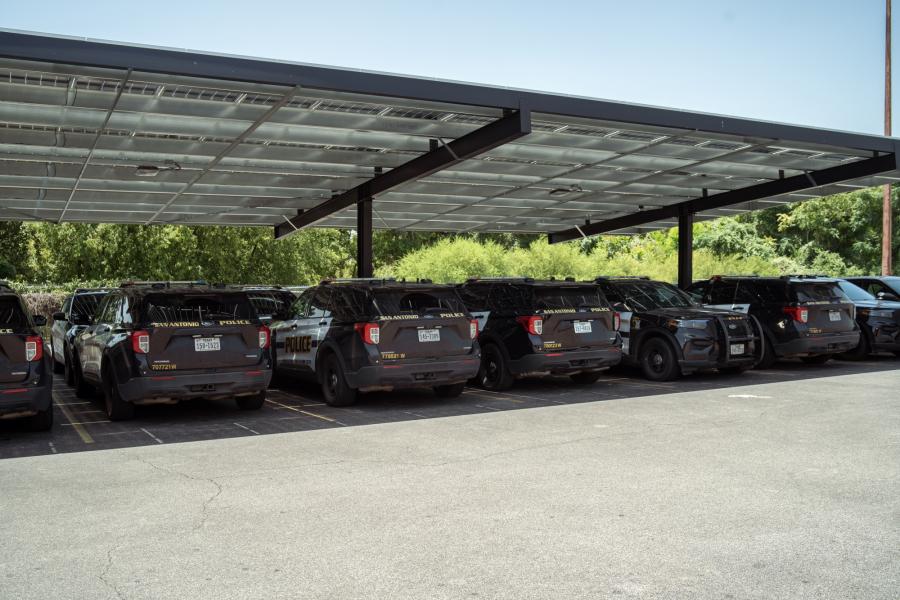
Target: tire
334, 384
732, 370
657, 360
117, 409
769, 358
254, 402
493, 374
68, 372
820, 359
452, 390
862, 350
43, 421
586, 377
82, 388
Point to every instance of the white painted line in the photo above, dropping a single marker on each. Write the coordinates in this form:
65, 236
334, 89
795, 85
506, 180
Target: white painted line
247, 428
156, 439
52, 447
747, 396
72, 403
488, 407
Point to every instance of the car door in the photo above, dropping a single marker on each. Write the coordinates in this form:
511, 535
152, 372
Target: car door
731, 295
625, 313
285, 329
97, 336
311, 330
58, 331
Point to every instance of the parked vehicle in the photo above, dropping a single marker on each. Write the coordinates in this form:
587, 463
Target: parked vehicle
26, 377
531, 328
74, 318
883, 288
879, 323
161, 342
271, 302
360, 335
666, 333
802, 316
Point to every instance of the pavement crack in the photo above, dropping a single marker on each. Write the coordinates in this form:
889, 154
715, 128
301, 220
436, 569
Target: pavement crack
104, 575
204, 508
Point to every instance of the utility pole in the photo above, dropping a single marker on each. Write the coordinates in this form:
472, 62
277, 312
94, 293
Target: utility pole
886, 214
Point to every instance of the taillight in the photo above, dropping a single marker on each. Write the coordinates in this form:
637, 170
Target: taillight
140, 342
369, 332
797, 313
473, 329
34, 348
532, 324
617, 321
264, 337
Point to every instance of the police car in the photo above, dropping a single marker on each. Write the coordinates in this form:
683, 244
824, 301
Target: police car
531, 327
359, 335
77, 310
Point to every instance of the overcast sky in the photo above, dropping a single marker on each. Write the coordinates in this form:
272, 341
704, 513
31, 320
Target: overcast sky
815, 62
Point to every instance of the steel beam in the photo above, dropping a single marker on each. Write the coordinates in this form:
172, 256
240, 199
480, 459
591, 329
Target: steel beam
777, 187
364, 238
685, 247
497, 133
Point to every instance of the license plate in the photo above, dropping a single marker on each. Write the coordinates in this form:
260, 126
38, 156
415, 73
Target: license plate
834, 315
737, 349
582, 326
429, 335
207, 344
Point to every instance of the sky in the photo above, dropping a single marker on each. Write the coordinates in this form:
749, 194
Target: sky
811, 62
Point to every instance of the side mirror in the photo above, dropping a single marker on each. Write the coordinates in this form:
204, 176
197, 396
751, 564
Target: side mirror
39, 320
887, 296
59, 316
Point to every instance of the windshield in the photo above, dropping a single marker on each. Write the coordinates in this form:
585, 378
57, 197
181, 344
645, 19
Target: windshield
553, 298
418, 301
85, 305
172, 308
854, 292
11, 314
653, 295
823, 291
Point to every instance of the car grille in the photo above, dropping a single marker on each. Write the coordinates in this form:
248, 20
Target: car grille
737, 327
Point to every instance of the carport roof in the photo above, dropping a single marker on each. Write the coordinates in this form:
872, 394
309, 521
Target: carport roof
97, 131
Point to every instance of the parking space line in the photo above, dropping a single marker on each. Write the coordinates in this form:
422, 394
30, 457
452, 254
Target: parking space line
82, 432
247, 428
156, 439
52, 447
76, 424
72, 403
494, 408
306, 412
499, 396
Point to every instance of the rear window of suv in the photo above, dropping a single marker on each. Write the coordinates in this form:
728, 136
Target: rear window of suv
172, 308
11, 314
553, 298
818, 292
417, 301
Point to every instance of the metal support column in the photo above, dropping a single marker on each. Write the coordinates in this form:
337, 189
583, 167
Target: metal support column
364, 238
685, 247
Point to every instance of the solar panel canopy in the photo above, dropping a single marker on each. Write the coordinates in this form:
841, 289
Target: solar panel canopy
105, 132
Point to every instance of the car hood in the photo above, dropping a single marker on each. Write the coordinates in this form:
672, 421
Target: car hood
883, 304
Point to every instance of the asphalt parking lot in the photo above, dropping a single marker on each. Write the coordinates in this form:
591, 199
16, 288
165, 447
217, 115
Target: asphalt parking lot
774, 484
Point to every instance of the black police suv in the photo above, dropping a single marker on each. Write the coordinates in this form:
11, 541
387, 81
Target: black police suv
666, 333
530, 327
74, 318
879, 323
26, 377
802, 316
883, 288
161, 342
359, 335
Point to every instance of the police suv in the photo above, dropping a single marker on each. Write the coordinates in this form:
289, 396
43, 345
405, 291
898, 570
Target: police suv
74, 318
161, 342
531, 327
359, 335
25, 369
666, 334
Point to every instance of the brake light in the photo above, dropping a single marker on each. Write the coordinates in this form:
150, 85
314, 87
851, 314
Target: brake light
140, 342
533, 324
797, 313
34, 348
473, 329
369, 332
617, 321
264, 337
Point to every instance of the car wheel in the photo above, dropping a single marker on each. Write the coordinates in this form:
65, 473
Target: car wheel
862, 350
254, 402
769, 358
820, 359
657, 360
494, 372
43, 421
585, 377
452, 390
68, 372
82, 388
334, 384
117, 409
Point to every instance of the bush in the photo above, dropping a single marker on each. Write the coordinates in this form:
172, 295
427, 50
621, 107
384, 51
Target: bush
42, 303
452, 261
7, 270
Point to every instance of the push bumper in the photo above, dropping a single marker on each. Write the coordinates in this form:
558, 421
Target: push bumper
715, 355
24, 401
828, 343
414, 374
885, 336
169, 388
566, 363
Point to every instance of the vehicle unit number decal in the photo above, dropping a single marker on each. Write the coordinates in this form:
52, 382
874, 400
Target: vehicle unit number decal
298, 344
392, 355
163, 367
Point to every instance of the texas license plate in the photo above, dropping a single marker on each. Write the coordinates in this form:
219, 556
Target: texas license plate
429, 335
582, 326
737, 349
207, 344
834, 315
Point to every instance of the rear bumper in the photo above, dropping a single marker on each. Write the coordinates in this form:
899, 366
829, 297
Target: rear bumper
566, 363
414, 374
171, 388
827, 343
24, 401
